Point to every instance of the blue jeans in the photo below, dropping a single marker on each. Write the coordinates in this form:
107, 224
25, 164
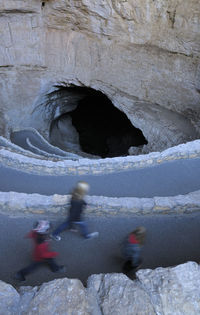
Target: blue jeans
68, 224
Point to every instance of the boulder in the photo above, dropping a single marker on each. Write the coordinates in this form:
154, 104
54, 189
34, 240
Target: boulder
118, 295
173, 290
9, 299
60, 296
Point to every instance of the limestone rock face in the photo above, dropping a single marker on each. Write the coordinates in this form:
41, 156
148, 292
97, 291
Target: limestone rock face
173, 290
118, 295
167, 24
163, 291
62, 296
9, 299
27, 293
64, 135
144, 55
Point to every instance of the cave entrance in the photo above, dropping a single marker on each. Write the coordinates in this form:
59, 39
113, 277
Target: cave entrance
102, 129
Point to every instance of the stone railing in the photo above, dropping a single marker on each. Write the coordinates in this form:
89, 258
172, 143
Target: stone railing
90, 166
20, 203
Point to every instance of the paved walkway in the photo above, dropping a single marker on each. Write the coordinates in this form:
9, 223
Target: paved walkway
20, 138
168, 179
171, 240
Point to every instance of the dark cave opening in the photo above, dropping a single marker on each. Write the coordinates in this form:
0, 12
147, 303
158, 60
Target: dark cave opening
103, 129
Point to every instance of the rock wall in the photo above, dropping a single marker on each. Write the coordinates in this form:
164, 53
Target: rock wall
163, 291
143, 55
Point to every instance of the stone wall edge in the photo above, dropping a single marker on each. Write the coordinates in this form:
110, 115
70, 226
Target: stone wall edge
13, 203
86, 166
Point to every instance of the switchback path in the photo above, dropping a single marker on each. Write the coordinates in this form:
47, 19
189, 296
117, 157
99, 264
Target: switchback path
167, 179
171, 240
26, 137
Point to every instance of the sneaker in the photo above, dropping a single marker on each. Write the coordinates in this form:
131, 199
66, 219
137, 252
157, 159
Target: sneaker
19, 276
55, 237
92, 235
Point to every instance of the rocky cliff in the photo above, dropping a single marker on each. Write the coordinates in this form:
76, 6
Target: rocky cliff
163, 291
143, 55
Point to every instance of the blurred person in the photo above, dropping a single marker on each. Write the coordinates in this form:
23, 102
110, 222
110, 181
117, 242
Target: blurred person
131, 250
41, 252
75, 215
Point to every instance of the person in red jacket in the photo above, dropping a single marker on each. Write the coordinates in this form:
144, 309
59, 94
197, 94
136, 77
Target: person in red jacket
41, 252
131, 250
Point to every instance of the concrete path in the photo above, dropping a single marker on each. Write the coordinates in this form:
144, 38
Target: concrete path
20, 138
168, 179
171, 240
34, 142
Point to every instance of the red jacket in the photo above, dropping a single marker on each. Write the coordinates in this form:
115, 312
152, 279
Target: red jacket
41, 250
132, 239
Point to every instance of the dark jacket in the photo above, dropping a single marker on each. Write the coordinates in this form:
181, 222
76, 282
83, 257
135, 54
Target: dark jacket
76, 210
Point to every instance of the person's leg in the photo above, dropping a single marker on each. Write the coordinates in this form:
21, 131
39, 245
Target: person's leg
136, 257
53, 265
84, 230
73, 227
63, 226
20, 275
138, 264
127, 266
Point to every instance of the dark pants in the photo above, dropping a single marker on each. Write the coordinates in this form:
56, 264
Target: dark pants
35, 264
128, 266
